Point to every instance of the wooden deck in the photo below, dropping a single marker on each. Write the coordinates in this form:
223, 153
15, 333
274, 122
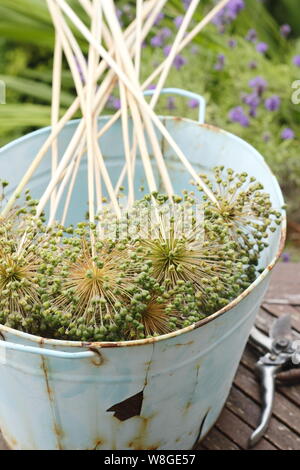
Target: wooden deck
241, 413
242, 409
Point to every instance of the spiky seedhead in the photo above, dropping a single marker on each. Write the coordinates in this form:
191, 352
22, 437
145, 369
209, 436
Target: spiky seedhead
243, 207
93, 277
155, 317
93, 282
23, 243
189, 248
163, 310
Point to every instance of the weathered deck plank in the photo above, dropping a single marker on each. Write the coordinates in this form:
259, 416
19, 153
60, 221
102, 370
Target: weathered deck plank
217, 441
238, 431
279, 433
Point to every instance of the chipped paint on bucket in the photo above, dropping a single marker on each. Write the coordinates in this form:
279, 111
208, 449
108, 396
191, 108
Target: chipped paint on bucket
158, 393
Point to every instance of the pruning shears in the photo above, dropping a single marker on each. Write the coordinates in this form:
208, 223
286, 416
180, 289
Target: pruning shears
280, 362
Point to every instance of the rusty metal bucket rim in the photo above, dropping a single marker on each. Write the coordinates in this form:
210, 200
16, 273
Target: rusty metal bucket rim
141, 342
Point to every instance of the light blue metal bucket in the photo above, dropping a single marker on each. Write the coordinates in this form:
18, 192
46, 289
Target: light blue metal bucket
160, 393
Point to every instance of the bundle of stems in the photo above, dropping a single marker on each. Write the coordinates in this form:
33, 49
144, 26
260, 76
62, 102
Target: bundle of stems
114, 61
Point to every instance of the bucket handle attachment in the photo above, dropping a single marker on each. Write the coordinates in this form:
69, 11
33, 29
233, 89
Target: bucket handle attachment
45, 352
186, 94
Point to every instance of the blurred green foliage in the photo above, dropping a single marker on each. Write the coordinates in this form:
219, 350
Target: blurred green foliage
286, 11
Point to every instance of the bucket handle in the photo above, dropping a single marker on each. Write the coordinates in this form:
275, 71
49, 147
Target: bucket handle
44, 352
186, 94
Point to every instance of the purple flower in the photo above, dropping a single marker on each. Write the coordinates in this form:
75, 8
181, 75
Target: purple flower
228, 13
238, 115
218, 19
285, 257
178, 21
296, 60
259, 84
266, 137
252, 65
186, 3
171, 103
232, 43
251, 35
235, 6
165, 33
272, 103
262, 47
151, 87
252, 100
194, 49
159, 39
193, 103
156, 41
167, 50
159, 17
285, 30
79, 68
179, 62
220, 62
116, 103
287, 134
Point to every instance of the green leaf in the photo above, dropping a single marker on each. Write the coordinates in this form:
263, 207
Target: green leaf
14, 116
35, 89
33, 9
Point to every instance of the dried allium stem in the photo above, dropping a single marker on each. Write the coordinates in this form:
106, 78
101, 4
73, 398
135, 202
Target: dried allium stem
55, 107
150, 7
175, 46
136, 93
131, 72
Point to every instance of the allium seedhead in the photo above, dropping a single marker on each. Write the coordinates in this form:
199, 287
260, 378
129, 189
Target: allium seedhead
243, 207
153, 319
165, 310
23, 241
92, 279
191, 249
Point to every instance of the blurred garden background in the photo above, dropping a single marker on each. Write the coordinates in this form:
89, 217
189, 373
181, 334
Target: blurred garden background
246, 64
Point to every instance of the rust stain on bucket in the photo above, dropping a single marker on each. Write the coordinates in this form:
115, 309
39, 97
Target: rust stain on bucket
141, 442
58, 432
99, 359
